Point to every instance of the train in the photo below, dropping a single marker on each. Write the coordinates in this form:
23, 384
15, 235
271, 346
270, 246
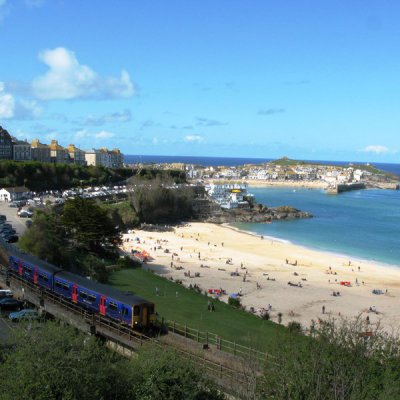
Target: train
95, 297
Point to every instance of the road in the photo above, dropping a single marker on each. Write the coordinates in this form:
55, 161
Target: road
12, 217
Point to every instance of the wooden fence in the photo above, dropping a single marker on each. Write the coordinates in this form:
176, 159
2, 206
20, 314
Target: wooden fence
212, 339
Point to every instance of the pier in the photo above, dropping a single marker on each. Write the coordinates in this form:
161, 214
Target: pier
346, 187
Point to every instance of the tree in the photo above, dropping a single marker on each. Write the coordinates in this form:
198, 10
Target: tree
51, 361
89, 225
340, 362
164, 374
46, 238
159, 202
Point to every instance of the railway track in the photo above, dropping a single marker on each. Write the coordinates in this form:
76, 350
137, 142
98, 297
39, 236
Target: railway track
232, 374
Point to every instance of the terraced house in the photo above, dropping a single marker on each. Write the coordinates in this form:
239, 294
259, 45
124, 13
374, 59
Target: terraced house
6, 145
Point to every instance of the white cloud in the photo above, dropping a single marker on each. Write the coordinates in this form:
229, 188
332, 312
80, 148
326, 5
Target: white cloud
193, 138
115, 117
10, 108
68, 79
103, 135
3, 9
85, 134
377, 149
7, 102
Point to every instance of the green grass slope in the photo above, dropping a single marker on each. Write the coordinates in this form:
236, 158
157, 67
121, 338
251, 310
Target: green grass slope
189, 307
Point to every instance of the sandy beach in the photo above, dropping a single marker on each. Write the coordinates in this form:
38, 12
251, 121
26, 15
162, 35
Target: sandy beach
208, 255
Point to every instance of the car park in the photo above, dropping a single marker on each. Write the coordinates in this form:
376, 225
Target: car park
23, 315
9, 303
13, 205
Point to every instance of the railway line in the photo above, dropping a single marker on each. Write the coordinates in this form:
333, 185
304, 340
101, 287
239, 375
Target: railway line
233, 374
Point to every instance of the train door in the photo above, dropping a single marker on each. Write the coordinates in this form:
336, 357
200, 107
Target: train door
103, 305
35, 275
20, 268
144, 316
74, 293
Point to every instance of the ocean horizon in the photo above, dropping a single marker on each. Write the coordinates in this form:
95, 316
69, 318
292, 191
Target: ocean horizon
236, 161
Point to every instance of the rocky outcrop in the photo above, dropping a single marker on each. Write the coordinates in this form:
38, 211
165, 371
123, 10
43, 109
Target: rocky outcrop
259, 214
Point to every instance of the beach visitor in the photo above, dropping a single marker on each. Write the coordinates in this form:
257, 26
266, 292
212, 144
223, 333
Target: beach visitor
323, 309
157, 291
240, 291
176, 294
209, 305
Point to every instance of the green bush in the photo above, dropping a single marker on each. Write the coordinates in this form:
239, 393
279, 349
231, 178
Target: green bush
127, 262
235, 302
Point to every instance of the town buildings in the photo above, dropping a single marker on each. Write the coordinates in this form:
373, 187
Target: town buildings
107, 158
40, 151
19, 150
229, 195
22, 151
6, 145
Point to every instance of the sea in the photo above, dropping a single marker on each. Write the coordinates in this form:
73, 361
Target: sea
363, 224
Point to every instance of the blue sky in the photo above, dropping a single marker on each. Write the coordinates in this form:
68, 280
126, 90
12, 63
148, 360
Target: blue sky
263, 78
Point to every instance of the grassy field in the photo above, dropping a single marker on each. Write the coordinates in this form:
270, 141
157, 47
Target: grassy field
185, 306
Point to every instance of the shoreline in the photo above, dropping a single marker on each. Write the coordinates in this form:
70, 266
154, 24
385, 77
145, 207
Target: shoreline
311, 248
265, 271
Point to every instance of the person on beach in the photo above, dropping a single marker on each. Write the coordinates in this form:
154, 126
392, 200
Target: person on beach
323, 309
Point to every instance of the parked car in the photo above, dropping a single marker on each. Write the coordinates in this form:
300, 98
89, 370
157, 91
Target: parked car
23, 315
9, 303
7, 230
24, 214
12, 239
5, 293
4, 225
13, 205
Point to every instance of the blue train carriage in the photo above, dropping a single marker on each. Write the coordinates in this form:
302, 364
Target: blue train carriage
33, 270
105, 300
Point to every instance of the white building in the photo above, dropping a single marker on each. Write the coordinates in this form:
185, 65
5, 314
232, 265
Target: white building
14, 193
230, 195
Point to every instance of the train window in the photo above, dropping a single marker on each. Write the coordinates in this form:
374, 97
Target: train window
43, 277
91, 297
83, 295
27, 268
136, 311
58, 285
112, 306
125, 311
65, 286
151, 309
